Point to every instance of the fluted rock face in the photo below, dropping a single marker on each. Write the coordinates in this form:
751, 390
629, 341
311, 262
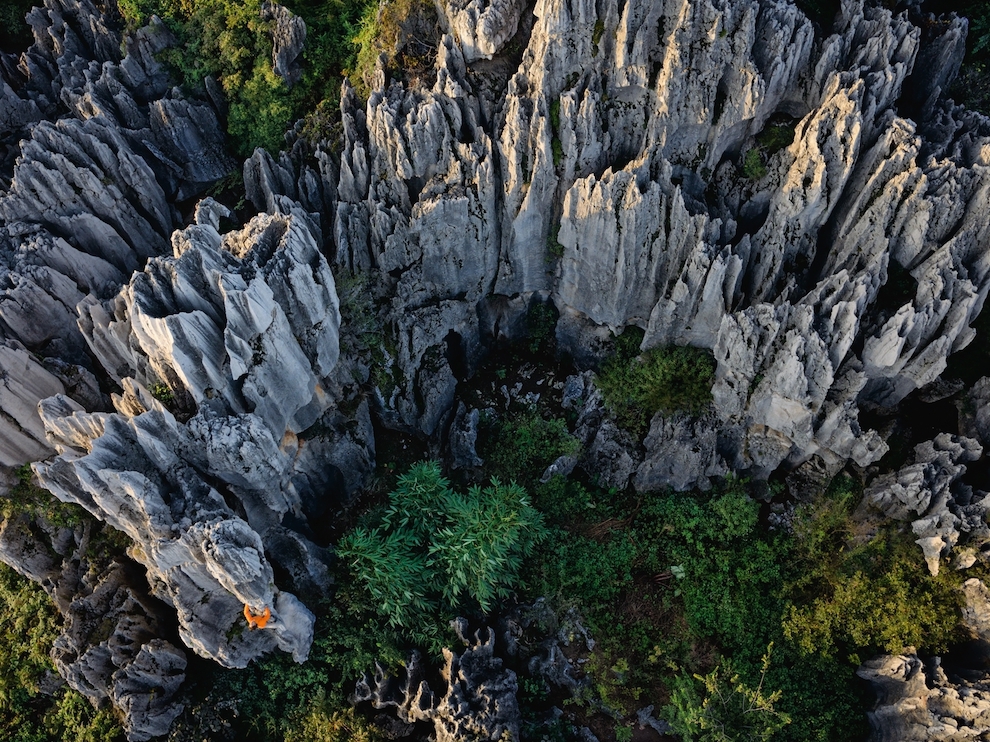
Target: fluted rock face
608, 171
243, 329
479, 701
919, 703
145, 474
251, 319
91, 194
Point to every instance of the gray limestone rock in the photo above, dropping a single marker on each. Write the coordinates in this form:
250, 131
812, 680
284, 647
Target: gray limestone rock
145, 473
250, 318
482, 27
288, 33
918, 703
479, 701
110, 644
681, 453
928, 492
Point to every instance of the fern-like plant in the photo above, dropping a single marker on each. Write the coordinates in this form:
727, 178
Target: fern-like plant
436, 552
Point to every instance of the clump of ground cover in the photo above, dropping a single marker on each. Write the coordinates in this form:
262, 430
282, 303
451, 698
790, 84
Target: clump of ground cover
667, 379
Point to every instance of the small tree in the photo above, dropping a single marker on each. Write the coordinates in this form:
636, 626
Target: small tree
434, 550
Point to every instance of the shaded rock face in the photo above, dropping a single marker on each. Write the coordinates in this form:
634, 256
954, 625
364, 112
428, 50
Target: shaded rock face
479, 701
111, 645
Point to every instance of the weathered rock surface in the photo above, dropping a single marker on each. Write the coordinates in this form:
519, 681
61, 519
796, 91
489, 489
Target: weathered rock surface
919, 703
249, 319
145, 474
106, 148
479, 701
943, 510
288, 34
112, 644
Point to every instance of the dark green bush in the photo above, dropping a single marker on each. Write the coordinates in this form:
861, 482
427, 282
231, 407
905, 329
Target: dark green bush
669, 379
15, 34
523, 445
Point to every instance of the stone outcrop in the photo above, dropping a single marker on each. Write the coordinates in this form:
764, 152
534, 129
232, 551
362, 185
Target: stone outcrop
929, 492
479, 701
106, 149
239, 334
288, 32
917, 702
112, 643
249, 319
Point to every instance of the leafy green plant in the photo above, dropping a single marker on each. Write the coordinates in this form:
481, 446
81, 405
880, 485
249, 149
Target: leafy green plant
321, 722
725, 708
752, 164
434, 550
666, 379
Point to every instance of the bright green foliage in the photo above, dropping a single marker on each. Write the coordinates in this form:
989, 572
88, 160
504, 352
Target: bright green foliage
524, 445
725, 709
28, 628
435, 550
873, 596
752, 164
229, 40
668, 379
379, 32
26, 497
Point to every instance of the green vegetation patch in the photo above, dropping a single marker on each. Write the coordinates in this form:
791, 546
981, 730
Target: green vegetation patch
433, 551
667, 379
230, 41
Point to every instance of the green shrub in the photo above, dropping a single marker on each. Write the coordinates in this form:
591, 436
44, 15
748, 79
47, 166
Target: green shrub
669, 379
230, 41
521, 446
323, 723
752, 165
725, 708
15, 34
434, 551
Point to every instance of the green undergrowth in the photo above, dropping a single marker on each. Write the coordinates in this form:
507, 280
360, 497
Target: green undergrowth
26, 497
686, 591
434, 552
668, 379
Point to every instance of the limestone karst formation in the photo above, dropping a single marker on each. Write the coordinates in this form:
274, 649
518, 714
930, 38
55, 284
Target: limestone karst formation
197, 383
